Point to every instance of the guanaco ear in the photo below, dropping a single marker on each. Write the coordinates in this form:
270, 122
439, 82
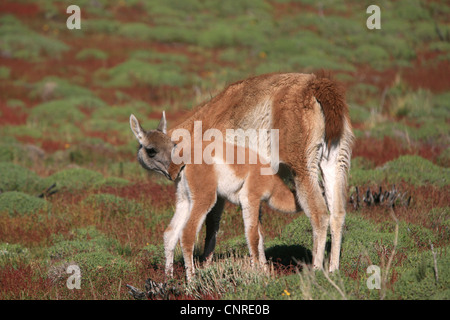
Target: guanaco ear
162, 126
136, 128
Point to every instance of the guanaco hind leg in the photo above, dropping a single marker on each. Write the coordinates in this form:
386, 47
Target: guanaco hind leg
250, 204
335, 165
310, 197
203, 200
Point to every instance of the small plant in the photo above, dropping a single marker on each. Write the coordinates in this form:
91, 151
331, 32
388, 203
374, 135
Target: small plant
225, 276
75, 178
21, 42
56, 112
412, 169
12, 254
14, 177
109, 204
136, 72
92, 251
19, 203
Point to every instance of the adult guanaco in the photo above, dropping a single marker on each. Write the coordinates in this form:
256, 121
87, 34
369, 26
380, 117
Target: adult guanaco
314, 139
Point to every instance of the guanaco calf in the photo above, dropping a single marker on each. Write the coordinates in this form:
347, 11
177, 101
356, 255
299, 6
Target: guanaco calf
202, 190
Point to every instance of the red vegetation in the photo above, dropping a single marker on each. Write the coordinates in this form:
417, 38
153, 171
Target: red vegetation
11, 116
423, 199
28, 10
387, 149
47, 145
27, 231
52, 145
159, 196
428, 74
21, 282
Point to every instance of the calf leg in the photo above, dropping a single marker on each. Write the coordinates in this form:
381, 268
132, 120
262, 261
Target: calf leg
200, 209
173, 232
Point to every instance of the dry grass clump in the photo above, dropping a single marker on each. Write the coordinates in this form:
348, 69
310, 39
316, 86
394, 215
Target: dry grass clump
225, 275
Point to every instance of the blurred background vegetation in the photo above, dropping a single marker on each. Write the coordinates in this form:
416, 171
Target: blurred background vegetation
68, 90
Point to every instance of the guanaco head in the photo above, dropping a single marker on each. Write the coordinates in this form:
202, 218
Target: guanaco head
155, 147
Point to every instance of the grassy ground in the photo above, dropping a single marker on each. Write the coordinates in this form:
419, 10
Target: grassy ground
66, 96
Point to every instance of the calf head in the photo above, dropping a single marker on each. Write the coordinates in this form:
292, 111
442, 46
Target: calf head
155, 148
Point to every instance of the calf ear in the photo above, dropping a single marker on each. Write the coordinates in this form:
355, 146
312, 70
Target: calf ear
162, 126
136, 128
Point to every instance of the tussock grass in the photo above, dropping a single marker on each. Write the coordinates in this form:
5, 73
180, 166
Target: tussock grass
21, 42
227, 275
14, 177
412, 169
75, 178
136, 72
19, 203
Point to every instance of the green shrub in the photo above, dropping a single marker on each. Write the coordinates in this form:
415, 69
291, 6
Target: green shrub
111, 182
21, 42
439, 46
91, 53
417, 171
12, 254
217, 35
91, 250
411, 10
108, 125
159, 56
362, 163
17, 178
91, 263
57, 112
104, 26
117, 113
441, 105
169, 34
9, 152
75, 178
412, 169
113, 205
343, 26
4, 72
374, 55
154, 253
15, 202
430, 130
444, 158
359, 176
136, 30
225, 276
130, 170
136, 72
21, 130
82, 240
358, 113
418, 281
55, 88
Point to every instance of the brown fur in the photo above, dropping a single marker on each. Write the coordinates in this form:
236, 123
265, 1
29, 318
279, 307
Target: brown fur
315, 136
207, 203
331, 97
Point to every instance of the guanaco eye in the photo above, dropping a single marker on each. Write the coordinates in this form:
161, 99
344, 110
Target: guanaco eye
151, 152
